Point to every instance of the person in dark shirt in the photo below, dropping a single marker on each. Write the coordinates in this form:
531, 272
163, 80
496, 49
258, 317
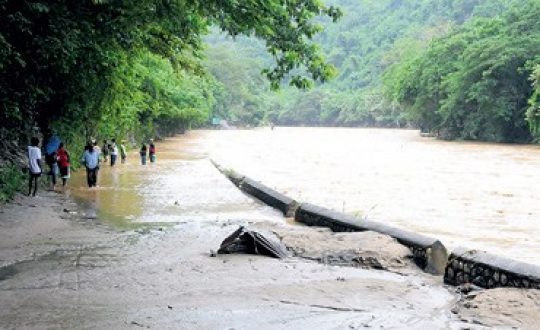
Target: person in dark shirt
143, 154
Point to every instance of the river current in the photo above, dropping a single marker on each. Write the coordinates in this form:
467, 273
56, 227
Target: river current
477, 195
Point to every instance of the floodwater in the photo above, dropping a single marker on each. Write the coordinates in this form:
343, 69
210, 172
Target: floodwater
476, 195
181, 187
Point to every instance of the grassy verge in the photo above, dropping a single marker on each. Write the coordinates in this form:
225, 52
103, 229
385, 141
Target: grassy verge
11, 181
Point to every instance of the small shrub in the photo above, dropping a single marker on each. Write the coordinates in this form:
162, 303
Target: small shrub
11, 181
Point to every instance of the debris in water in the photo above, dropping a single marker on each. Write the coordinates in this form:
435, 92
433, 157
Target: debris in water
252, 242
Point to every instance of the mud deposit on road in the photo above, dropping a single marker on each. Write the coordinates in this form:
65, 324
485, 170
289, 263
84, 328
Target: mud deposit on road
148, 264
166, 279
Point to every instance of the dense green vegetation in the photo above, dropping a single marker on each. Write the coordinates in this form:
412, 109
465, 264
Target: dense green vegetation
110, 67
11, 180
533, 112
460, 69
85, 67
132, 69
474, 82
361, 45
456, 68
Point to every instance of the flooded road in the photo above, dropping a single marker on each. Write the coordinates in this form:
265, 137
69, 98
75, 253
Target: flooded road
476, 195
170, 191
61, 266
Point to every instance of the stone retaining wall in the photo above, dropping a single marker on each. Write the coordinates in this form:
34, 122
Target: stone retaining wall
429, 253
489, 271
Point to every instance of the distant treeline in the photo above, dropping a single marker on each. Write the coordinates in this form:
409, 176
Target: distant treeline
461, 69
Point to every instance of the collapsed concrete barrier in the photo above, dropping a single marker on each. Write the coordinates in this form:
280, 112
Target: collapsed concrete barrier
489, 271
429, 253
269, 196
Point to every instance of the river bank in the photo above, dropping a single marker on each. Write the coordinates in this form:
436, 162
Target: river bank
63, 267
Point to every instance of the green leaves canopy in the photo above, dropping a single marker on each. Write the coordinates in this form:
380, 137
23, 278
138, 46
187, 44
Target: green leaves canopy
58, 59
473, 83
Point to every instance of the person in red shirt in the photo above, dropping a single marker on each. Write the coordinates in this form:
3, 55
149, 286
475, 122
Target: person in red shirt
152, 151
63, 163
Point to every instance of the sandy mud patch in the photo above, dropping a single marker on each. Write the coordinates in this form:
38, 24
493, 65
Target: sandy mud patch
501, 308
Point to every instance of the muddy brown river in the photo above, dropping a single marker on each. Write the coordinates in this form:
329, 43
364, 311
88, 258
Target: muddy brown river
477, 195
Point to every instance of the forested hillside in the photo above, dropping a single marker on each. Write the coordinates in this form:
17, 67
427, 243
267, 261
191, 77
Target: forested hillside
132, 69
460, 69
474, 82
87, 66
382, 39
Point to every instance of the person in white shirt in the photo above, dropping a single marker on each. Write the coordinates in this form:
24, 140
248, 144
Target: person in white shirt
34, 164
91, 160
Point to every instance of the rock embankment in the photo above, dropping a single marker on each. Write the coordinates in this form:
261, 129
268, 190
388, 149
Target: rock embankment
490, 271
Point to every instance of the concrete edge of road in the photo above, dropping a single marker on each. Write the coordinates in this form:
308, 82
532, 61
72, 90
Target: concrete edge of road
460, 267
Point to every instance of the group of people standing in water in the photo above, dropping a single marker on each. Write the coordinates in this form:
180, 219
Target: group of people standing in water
58, 159
150, 151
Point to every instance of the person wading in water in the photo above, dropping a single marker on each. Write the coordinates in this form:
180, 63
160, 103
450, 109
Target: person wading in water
152, 151
143, 154
91, 162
